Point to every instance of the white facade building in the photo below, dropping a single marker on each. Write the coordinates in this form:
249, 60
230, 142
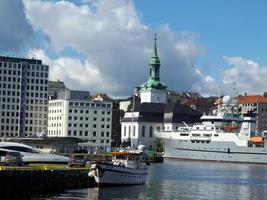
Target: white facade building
84, 119
23, 96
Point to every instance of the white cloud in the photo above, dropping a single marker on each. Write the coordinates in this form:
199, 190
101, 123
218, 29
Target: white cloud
248, 75
117, 46
75, 73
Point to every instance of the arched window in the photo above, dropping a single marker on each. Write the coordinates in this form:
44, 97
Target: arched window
150, 131
143, 131
124, 134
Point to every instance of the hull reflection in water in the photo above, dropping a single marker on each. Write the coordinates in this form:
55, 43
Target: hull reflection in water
186, 180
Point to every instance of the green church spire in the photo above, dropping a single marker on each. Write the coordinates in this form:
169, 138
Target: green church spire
154, 71
154, 58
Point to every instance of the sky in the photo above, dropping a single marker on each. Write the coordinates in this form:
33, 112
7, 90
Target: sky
105, 45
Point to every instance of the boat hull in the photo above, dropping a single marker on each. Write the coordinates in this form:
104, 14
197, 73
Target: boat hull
213, 151
110, 175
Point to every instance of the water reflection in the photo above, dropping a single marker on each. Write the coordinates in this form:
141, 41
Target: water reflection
187, 180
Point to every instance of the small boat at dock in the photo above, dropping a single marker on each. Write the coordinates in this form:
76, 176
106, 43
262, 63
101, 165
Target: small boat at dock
125, 168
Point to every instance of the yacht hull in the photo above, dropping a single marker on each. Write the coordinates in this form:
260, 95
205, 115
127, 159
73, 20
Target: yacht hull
213, 151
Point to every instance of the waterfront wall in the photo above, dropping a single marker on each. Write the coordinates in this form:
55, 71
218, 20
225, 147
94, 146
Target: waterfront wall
38, 182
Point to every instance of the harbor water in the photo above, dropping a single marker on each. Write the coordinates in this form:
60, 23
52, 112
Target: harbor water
186, 180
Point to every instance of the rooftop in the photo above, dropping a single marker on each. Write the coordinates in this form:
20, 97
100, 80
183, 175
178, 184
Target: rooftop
56, 84
20, 60
252, 99
199, 102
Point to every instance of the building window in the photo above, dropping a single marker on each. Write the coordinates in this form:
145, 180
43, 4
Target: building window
143, 131
124, 132
129, 129
150, 131
134, 131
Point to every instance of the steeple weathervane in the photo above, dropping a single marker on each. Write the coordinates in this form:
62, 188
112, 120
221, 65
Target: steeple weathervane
155, 52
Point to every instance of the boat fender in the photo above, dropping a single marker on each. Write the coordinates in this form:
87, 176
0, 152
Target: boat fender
91, 174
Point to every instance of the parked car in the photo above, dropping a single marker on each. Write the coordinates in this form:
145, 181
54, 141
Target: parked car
12, 158
77, 160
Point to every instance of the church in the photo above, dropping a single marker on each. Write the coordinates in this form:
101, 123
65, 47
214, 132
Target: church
151, 112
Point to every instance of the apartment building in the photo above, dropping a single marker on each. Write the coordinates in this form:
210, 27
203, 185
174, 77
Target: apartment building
84, 119
256, 105
23, 96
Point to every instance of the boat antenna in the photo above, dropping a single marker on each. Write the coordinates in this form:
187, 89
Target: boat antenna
185, 124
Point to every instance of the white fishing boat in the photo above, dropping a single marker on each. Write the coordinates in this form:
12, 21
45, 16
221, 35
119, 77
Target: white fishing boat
125, 168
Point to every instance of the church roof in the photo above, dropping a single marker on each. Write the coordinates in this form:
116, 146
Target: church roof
160, 113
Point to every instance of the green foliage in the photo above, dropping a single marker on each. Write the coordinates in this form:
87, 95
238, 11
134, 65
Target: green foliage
116, 103
130, 107
212, 100
265, 94
122, 113
159, 146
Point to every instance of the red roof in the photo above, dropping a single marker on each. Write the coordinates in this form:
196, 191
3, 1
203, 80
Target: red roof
252, 99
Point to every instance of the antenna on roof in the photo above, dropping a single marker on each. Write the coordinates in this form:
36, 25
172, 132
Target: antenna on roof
234, 89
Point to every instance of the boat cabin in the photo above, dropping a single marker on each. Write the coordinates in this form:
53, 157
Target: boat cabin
125, 156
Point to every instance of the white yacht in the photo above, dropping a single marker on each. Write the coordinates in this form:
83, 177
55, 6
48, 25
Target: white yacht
125, 168
31, 155
224, 136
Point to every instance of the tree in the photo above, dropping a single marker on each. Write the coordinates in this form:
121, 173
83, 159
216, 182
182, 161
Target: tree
159, 146
130, 107
211, 100
265, 94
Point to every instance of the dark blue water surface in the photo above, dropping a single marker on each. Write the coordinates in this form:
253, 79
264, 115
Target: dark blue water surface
187, 180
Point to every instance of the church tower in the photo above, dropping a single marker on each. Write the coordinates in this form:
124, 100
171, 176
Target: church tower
153, 91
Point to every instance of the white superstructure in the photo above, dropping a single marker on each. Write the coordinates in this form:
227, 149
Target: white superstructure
224, 136
31, 155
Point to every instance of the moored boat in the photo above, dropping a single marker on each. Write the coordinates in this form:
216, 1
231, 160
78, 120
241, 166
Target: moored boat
125, 168
223, 136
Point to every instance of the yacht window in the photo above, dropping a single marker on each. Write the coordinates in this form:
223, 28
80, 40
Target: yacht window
21, 149
184, 134
207, 135
196, 135
216, 135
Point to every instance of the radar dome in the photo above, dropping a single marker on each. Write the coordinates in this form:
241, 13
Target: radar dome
226, 99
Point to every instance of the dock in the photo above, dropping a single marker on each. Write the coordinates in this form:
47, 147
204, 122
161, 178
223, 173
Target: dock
41, 179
